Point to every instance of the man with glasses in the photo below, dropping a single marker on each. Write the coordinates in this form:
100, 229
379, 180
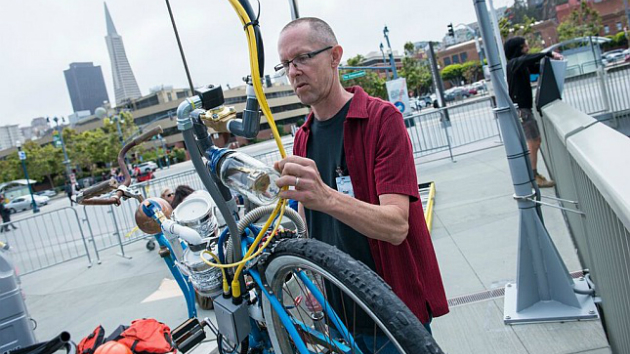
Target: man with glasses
353, 172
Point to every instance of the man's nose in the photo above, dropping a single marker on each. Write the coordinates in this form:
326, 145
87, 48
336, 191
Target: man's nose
292, 70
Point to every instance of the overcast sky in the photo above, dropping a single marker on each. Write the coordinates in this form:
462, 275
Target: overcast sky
40, 38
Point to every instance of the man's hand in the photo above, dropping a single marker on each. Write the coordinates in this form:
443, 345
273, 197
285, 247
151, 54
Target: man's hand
302, 173
557, 56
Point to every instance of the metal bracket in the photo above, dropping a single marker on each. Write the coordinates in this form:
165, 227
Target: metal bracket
531, 198
130, 193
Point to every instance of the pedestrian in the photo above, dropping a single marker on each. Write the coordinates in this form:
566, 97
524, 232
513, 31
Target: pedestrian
353, 172
519, 67
168, 195
181, 192
6, 217
70, 192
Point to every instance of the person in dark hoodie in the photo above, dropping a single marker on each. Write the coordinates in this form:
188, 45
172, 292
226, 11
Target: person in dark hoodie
520, 66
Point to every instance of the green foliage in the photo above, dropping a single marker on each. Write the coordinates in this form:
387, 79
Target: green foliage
177, 154
582, 22
371, 82
471, 71
454, 73
524, 28
417, 75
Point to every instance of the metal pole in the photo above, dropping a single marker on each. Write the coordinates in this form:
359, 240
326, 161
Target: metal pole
384, 61
544, 290
28, 182
295, 13
497, 38
391, 54
181, 49
168, 162
66, 161
625, 5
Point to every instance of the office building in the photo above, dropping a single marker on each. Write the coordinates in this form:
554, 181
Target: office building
86, 86
125, 85
9, 134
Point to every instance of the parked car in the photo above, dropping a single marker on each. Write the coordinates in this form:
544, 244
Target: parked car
426, 100
148, 166
25, 203
613, 56
47, 193
145, 176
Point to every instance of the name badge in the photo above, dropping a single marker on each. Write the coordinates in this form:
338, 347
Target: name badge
344, 185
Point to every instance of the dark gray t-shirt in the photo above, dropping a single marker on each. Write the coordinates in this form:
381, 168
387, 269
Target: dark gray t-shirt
325, 147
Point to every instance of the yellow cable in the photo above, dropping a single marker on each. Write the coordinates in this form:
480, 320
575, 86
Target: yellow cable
226, 286
260, 95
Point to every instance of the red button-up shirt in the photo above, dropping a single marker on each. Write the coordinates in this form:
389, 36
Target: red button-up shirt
380, 161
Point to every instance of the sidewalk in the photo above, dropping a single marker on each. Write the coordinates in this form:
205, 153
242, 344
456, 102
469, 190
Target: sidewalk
475, 237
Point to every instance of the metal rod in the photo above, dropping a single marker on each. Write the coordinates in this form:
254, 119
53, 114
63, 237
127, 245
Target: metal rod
181, 49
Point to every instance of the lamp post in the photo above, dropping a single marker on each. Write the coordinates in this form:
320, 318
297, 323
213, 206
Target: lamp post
22, 156
391, 54
384, 60
168, 162
59, 132
118, 119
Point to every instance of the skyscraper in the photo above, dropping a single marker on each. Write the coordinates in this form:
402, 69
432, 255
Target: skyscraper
125, 85
86, 86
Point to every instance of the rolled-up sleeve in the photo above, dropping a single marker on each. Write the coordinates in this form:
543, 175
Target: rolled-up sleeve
394, 170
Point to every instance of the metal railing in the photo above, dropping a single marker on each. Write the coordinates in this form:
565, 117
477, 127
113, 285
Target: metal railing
605, 90
45, 240
590, 163
469, 122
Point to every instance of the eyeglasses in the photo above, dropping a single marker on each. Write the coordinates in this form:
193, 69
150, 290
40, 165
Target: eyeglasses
299, 60
170, 195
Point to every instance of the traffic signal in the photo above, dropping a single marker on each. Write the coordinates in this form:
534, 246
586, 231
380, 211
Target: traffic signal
450, 30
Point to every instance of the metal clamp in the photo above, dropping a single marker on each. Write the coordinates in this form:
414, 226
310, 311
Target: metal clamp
130, 193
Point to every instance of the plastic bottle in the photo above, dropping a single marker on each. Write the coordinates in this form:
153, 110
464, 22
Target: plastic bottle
248, 176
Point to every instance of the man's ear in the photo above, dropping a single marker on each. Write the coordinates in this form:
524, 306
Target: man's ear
337, 53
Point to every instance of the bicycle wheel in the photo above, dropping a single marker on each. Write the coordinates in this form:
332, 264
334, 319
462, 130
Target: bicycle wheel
377, 320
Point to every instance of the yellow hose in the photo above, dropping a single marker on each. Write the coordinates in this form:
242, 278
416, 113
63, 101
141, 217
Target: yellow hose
264, 105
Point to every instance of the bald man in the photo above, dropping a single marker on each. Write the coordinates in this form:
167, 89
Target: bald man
353, 172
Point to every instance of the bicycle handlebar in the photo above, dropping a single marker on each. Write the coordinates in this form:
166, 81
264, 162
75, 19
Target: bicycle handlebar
87, 197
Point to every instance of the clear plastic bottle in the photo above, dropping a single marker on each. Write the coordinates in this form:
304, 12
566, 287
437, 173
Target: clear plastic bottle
250, 177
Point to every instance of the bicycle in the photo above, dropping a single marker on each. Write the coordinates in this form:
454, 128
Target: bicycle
280, 293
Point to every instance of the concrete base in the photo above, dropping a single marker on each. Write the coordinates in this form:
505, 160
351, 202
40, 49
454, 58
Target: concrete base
549, 311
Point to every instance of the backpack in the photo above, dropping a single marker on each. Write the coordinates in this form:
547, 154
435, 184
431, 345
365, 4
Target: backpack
148, 336
89, 344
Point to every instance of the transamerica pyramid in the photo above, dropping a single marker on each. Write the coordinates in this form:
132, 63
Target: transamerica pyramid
125, 85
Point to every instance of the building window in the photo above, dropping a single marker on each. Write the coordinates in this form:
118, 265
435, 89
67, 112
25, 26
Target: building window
169, 96
455, 59
606, 29
463, 56
447, 61
619, 26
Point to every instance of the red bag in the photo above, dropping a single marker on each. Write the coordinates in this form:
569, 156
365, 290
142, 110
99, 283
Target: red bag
89, 344
148, 336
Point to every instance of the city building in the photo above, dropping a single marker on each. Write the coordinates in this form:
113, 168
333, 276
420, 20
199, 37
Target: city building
375, 59
613, 14
9, 134
86, 86
27, 132
76, 117
160, 108
125, 85
40, 127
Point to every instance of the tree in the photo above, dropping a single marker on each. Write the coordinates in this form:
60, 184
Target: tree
454, 73
417, 74
410, 49
371, 82
582, 22
471, 71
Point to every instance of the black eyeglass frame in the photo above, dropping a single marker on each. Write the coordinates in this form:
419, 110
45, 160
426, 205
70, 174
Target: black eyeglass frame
309, 55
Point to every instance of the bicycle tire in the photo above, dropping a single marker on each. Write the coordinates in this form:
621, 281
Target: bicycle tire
356, 280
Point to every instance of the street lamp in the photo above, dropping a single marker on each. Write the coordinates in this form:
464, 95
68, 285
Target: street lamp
384, 60
59, 132
22, 156
391, 55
